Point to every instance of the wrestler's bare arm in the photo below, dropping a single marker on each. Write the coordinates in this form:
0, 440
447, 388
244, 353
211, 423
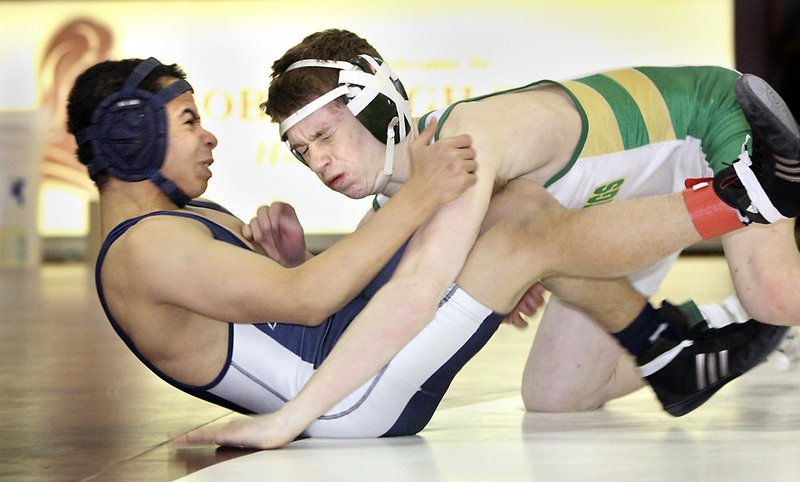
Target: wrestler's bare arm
186, 268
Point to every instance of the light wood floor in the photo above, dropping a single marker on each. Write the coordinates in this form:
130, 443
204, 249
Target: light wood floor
76, 405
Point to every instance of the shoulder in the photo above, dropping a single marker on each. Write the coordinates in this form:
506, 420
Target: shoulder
160, 227
157, 254
517, 130
505, 111
157, 238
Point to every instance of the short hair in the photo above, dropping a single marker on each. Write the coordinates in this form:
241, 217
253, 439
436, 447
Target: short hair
100, 81
289, 91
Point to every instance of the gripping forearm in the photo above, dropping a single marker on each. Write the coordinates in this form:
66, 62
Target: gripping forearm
347, 266
396, 314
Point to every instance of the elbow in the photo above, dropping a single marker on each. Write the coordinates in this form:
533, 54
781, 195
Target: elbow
312, 311
277, 308
308, 298
312, 319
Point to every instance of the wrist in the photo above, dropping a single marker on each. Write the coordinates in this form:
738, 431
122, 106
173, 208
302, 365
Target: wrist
419, 195
296, 416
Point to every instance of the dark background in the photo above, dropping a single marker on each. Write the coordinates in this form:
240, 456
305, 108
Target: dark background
767, 36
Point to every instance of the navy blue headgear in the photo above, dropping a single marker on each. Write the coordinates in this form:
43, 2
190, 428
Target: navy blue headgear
128, 133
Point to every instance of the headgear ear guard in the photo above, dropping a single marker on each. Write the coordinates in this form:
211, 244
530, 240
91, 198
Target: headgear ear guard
128, 133
373, 94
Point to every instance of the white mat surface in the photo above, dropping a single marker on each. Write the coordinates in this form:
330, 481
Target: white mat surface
750, 432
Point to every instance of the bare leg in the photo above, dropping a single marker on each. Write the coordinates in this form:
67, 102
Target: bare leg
574, 365
538, 238
765, 265
667, 360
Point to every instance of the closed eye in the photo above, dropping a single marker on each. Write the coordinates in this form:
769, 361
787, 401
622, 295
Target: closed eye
328, 134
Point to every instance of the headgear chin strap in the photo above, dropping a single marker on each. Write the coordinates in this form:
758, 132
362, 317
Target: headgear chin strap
373, 94
386, 174
128, 133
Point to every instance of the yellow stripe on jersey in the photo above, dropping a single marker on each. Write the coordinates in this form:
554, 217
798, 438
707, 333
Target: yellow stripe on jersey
650, 101
603, 134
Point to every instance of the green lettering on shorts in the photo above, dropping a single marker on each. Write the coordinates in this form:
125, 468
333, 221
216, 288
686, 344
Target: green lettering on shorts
604, 193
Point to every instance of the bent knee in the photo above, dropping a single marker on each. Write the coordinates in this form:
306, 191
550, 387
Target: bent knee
582, 395
776, 308
550, 400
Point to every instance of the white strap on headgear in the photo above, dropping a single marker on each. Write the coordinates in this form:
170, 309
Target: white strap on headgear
311, 107
381, 82
320, 101
388, 163
361, 86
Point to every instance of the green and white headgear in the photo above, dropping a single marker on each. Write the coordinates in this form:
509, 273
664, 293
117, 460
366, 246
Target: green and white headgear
372, 93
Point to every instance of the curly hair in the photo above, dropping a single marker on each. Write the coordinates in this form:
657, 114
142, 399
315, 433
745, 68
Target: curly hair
289, 91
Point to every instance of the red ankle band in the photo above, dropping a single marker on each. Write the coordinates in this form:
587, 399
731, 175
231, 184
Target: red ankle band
711, 217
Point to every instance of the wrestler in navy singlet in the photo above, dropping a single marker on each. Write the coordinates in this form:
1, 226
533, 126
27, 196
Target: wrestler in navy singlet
268, 363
